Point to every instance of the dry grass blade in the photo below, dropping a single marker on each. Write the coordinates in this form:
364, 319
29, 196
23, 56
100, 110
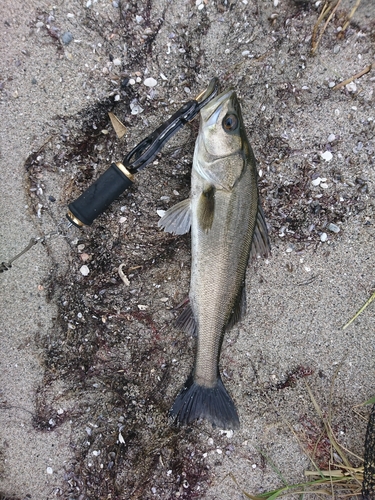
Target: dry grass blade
360, 311
341, 481
367, 69
352, 12
327, 7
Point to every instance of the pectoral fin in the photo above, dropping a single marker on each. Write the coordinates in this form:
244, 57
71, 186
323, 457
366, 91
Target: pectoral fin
206, 208
177, 220
261, 243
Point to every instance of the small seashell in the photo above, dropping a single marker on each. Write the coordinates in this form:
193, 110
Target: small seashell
84, 270
150, 82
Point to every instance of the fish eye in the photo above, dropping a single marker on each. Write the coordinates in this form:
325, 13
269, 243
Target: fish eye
230, 123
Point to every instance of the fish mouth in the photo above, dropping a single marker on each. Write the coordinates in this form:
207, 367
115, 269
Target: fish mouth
211, 112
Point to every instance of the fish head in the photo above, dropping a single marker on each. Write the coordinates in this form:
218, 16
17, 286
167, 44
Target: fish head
220, 153
222, 126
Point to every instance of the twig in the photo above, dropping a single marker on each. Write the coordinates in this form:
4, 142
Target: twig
360, 311
354, 77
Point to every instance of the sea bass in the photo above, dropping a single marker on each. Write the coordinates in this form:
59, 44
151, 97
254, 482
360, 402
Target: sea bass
227, 227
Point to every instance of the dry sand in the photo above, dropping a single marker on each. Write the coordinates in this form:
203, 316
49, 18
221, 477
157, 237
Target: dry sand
86, 375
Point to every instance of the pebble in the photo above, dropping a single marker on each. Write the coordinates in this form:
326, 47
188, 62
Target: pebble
150, 82
49, 470
316, 182
332, 227
323, 237
131, 81
84, 270
117, 62
351, 87
331, 137
327, 155
142, 307
66, 38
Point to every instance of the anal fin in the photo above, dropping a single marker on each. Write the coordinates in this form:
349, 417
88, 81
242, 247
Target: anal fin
177, 220
186, 320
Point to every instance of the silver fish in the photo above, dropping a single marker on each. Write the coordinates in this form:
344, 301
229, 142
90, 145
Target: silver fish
227, 227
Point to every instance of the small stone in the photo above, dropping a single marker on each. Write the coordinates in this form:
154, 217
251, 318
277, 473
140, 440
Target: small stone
150, 82
138, 19
142, 307
49, 470
316, 182
332, 227
324, 185
245, 52
351, 87
117, 62
131, 81
331, 84
323, 237
84, 270
66, 38
70, 15
327, 155
331, 138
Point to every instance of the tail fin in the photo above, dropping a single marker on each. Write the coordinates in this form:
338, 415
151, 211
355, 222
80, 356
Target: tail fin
213, 404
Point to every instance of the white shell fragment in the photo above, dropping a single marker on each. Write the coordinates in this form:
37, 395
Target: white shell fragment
351, 87
327, 155
135, 107
150, 82
49, 470
84, 270
123, 275
323, 237
142, 307
316, 182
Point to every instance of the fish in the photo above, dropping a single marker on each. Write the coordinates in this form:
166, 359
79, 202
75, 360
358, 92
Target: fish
228, 228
